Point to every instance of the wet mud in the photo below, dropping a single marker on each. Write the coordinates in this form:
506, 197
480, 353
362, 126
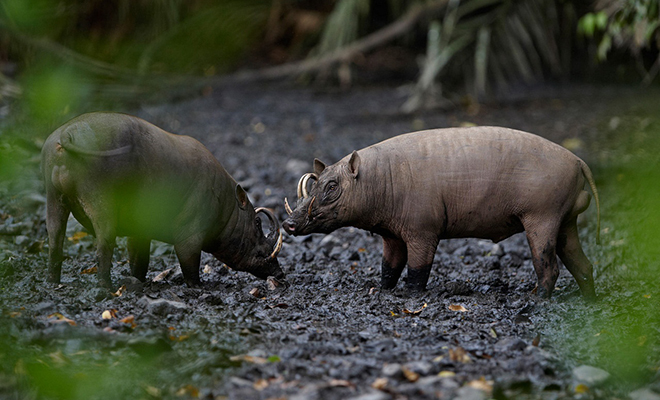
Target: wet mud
479, 330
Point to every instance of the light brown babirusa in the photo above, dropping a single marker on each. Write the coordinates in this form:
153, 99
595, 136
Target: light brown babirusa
122, 176
483, 182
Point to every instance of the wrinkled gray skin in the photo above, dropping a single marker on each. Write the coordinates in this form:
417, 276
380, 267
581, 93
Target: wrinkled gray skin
483, 182
122, 176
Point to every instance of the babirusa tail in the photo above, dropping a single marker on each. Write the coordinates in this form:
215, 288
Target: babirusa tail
590, 178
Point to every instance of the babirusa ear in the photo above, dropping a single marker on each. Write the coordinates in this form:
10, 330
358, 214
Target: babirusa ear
319, 166
354, 164
241, 197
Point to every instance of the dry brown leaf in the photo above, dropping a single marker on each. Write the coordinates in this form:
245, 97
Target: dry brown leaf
406, 311
341, 383
188, 390
412, 376
89, 271
119, 291
260, 384
250, 359
130, 320
457, 307
162, 275
380, 383
255, 292
481, 384
273, 283
61, 318
536, 340
459, 355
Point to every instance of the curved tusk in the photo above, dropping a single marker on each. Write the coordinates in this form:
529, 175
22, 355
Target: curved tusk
287, 207
278, 246
309, 209
304, 184
299, 190
276, 228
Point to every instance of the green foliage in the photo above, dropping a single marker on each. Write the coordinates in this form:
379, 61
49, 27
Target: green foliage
633, 25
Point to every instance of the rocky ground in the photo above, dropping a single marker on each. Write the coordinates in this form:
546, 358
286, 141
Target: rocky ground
478, 332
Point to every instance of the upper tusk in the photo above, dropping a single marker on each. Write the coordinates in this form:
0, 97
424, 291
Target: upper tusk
278, 247
287, 207
304, 184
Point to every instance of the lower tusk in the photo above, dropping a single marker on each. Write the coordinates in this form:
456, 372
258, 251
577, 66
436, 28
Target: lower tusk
287, 207
278, 247
311, 203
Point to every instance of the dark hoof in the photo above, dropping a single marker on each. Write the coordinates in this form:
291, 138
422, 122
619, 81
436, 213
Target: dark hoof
417, 279
543, 292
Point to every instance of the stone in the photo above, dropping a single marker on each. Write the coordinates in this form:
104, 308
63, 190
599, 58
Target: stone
590, 376
644, 394
162, 307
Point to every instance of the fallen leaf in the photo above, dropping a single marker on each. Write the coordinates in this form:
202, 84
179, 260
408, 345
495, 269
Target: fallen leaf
153, 391
180, 338
279, 305
340, 383
260, 384
581, 388
130, 320
14, 314
255, 292
648, 296
481, 384
459, 355
372, 290
493, 333
380, 383
392, 313
412, 376
250, 359
188, 390
446, 374
108, 314
61, 318
274, 358
75, 238
162, 275
272, 283
405, 310
207, 269
119, 291
457, 307
90, 270
536, 340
